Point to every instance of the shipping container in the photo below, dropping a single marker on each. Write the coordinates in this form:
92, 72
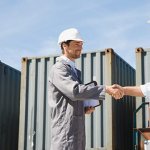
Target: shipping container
9, 107
142, 77
109, 127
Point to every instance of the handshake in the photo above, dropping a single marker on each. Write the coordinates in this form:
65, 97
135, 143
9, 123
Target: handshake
115, 91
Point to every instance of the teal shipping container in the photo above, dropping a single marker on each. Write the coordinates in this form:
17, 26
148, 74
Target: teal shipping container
9, 107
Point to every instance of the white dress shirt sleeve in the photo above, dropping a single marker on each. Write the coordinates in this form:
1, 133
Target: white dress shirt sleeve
146, 89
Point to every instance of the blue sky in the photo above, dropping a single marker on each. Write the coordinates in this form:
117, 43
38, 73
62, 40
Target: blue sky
30, 28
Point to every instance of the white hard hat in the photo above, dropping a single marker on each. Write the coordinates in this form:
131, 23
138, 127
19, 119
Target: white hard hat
69, 34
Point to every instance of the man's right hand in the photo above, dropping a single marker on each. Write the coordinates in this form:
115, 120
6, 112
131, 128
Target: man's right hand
115, 91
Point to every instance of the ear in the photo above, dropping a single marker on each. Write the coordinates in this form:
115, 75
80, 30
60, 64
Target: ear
64, 45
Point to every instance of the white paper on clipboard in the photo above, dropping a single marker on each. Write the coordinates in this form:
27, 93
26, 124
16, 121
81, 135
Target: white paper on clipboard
91, 102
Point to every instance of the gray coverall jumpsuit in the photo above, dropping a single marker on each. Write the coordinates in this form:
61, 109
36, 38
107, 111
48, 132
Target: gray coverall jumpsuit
66, 95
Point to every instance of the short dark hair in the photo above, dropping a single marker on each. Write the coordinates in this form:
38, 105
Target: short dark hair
66, 42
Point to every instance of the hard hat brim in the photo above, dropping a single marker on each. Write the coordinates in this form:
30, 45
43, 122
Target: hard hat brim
72, 40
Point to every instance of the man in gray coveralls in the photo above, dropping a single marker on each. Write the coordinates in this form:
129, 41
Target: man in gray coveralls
67, 94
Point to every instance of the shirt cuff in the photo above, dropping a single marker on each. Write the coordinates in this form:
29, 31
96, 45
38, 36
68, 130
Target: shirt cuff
146, 89
143, 89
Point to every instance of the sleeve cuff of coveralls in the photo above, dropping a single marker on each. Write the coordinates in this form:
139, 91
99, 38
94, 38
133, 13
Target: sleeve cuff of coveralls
102, 94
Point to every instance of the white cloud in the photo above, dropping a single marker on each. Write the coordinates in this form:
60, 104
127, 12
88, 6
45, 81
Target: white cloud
12, 57
49, 47
148, 21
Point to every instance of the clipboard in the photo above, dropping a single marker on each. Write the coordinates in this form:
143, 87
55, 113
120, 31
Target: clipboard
92, 102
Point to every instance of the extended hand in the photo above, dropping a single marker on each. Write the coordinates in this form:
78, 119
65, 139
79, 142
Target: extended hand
115, 90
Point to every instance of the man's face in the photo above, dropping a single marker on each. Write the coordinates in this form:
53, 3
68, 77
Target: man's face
73, 50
